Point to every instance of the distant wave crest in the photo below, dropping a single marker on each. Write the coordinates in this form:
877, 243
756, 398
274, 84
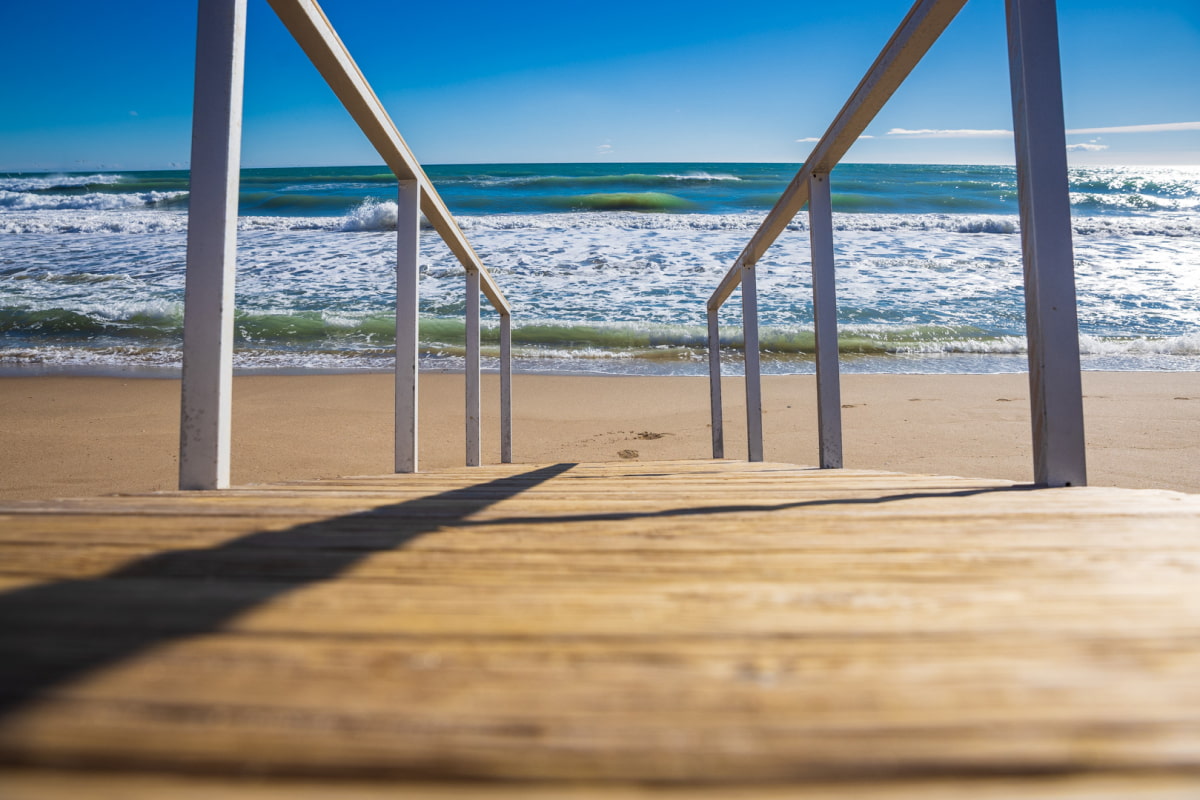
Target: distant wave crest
34, 183
92, 201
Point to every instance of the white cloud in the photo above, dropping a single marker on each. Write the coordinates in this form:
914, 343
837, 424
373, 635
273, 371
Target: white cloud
1089, 147
604, 150
1161, 127
935, 133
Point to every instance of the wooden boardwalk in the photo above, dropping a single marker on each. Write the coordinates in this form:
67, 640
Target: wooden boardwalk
680, 629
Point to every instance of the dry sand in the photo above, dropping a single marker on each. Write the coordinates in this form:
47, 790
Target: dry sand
83, 436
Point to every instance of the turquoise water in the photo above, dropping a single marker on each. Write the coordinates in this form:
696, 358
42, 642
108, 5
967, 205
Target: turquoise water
608, 267
677, 188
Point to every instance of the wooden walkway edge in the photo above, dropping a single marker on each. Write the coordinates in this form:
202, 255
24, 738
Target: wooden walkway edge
701, 625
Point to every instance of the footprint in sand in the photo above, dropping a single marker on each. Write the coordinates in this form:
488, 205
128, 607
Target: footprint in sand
628, 454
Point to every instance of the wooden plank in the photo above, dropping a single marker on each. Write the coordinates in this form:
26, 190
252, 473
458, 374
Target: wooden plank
52, 785
713, 623
207, 405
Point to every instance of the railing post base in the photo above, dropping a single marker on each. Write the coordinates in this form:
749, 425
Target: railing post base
714, 384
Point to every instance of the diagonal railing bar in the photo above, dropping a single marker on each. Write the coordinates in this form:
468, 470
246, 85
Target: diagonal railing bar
916, 34
313, 32
1051, 320
212, 226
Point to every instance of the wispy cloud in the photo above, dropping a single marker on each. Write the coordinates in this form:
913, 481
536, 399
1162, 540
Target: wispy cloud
941, 133
1087, 147
604, 150
970, 133
1161, 127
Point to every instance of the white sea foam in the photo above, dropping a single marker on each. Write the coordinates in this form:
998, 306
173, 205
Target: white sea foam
137, 214
1187, 345
27, 183
371, 215
988, 225
700, 176
940, 291
92, 201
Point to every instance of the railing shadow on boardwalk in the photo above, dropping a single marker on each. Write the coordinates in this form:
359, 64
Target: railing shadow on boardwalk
745, 508
173, 595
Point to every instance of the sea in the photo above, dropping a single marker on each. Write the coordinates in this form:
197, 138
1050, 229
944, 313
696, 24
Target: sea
608, 268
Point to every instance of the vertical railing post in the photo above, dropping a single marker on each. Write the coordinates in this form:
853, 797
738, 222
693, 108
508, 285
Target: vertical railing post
1056, 392
207, 385
825, 326
505, 388
714, 384
754, 431
473, 368
408, 249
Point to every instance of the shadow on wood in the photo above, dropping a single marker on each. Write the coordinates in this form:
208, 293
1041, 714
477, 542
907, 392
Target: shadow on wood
183, 593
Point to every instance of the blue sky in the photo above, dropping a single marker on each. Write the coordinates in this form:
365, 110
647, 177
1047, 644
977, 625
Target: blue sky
108, 85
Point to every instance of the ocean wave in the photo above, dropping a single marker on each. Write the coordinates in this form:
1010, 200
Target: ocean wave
437, 334
32, 183
1186, 345
371, 215
988, 225
640, 213
92, 201
146, 321
702, 176
295, 339
636, 179
624, 201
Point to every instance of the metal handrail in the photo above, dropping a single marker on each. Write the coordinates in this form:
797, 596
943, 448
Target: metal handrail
316, 36
212, 225
1052, 326
914, 36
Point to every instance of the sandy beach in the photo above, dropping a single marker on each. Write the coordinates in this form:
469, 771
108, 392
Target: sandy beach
85, 436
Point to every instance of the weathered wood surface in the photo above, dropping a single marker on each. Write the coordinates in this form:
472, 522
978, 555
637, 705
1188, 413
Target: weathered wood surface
696, 622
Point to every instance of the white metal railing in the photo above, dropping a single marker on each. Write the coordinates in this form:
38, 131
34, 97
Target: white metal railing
204, 451
1051, 319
